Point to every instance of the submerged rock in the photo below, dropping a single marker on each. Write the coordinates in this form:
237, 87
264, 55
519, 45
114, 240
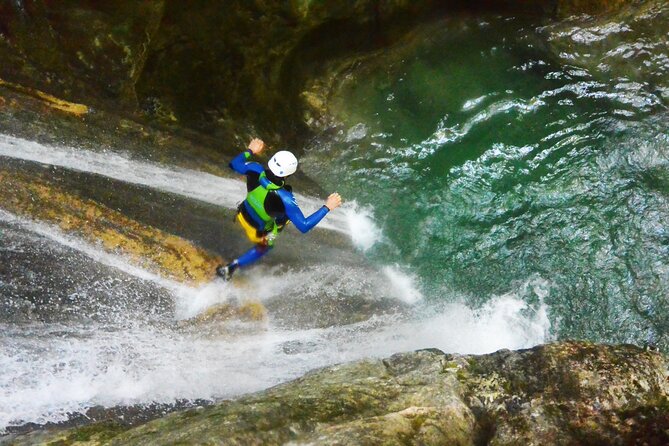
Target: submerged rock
627, 49
562, 393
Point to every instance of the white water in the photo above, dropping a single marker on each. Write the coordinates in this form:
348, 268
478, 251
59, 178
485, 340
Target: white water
141, 364
50, 370
100, 365
225, 192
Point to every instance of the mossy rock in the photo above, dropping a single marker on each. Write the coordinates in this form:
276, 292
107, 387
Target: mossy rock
428, 397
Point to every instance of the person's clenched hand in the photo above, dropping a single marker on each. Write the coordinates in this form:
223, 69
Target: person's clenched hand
333, 201
256, 146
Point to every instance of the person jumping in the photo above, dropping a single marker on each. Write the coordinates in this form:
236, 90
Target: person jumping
269, 204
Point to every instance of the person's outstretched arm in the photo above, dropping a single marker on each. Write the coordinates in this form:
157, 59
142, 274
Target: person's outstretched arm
241, 163
295, 215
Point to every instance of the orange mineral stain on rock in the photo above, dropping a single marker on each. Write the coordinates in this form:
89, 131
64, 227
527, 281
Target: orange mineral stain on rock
148, 247
250, 311
49, 100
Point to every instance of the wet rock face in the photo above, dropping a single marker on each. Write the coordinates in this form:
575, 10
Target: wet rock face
212, 64
570, 393
151, 248
79, 50
217, 67
565, 8
201, 64
563, 393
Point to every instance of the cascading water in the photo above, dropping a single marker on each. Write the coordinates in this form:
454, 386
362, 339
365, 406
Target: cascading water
517, 197
121, 336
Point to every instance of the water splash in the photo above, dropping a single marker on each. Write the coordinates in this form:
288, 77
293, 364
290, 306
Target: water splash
403, 285
53, 370
361, 226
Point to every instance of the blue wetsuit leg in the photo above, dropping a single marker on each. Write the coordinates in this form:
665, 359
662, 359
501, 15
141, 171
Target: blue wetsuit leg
252, 255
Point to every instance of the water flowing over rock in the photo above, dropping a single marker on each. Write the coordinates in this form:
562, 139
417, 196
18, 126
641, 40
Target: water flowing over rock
159, 86
166, 254
563, 393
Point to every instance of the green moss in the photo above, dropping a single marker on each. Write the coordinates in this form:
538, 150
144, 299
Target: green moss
99, 432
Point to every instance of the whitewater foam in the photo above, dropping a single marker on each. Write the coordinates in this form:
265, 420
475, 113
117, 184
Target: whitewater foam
51, 370
46, 377
403, 285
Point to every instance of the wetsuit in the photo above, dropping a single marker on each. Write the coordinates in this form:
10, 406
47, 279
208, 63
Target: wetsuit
268, 206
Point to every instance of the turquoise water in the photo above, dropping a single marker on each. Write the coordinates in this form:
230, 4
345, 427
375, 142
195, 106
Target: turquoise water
495, 152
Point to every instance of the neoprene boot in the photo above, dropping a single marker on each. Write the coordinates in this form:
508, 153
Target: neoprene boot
225, 271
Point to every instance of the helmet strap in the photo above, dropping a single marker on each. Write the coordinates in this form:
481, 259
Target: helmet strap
273, 178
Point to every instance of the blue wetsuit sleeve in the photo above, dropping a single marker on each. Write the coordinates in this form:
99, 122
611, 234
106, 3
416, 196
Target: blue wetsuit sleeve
242, 165
294, 214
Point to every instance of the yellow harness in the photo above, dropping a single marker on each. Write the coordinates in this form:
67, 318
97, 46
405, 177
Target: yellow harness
251, 232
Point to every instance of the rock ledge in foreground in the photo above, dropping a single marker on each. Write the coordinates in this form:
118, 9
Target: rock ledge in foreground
561, 393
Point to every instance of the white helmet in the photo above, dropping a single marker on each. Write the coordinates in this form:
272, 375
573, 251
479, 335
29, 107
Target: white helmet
283, 163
